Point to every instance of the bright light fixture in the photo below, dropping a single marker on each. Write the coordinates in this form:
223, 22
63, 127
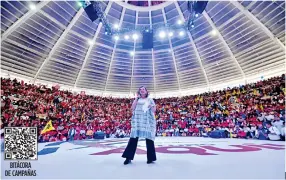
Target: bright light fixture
171, 34
116, 37
181, 33
197, 15
116, 26
79, 4
32, 6
162, 34
90, 42
135, 36
126, 37
214, 32
132, 53
180, 22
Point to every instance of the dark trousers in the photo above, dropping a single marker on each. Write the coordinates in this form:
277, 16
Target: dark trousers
130, 150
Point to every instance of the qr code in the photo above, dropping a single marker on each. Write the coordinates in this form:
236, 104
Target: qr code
20, 143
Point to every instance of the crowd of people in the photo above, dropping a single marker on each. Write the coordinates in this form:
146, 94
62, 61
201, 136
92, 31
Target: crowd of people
255, 110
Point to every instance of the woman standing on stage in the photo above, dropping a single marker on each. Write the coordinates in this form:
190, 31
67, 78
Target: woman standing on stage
143, 125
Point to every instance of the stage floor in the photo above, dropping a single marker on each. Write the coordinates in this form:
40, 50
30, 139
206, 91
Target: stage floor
177, 158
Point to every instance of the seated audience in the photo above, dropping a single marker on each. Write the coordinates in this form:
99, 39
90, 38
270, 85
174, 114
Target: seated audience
255, 110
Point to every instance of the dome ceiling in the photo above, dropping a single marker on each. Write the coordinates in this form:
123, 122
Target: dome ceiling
55, 41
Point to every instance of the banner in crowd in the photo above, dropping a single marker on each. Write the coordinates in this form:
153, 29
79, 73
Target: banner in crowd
48, 127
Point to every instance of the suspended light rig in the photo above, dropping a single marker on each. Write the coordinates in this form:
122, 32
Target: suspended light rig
194, 7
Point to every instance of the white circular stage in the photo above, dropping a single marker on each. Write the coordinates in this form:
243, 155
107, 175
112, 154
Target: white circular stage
177, 158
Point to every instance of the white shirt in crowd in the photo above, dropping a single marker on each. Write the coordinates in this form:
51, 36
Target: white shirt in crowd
171, 130
246, 129
278, 125
260, 118
226, 129
283, 131
269, 117
253, 129
121, 133
82, 131
274, 133
72, 132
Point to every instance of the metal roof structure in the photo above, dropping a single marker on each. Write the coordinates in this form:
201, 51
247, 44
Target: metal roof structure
56, 42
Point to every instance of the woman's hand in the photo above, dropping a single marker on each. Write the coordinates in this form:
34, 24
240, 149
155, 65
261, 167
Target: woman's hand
137, 96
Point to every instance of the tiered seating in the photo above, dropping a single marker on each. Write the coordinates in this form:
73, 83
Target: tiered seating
238, 112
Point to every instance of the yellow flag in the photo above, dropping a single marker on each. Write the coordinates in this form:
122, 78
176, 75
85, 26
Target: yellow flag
255, 92
197, 98
48, 127
234, 92
261, 107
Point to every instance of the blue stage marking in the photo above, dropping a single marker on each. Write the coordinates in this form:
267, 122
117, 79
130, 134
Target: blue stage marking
47, 151
55, 143
79, 148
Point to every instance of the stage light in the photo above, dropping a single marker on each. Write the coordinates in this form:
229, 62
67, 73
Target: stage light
214, 32
32, 6
79, 4
180, 22
197, 15
171, 34
181, 33
90, 42
135, 36
116, 26
147, 30
132, 53
116, 37
162, 34
126, 37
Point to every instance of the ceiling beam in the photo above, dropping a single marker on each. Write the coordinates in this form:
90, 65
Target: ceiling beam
133, 60
193, 45
113, 51
224, 42
59, 41
54, 20
22, 20
152, 51
172, 52
251, 4
254, 19
91, 46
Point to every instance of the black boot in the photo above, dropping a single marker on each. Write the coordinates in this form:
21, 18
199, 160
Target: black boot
149, 162
127, 161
